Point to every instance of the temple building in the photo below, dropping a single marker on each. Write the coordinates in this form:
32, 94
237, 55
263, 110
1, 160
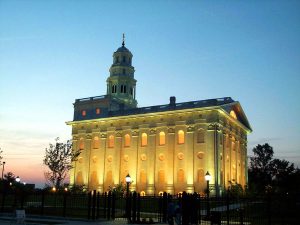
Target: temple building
163, 147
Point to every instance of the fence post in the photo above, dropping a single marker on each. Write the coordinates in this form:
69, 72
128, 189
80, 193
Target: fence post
89, 204
22, 195
241, 216
3, 200
160, 202
227, 206
134, 207
113, 208
64, 204
194, 208
108, 205
199, 207
43, 203
98, 206
129, 207
105, 205
165, 207
138, 208
94, 195
269, 208
185, 209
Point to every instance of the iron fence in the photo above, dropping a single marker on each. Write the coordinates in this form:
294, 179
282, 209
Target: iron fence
190, 208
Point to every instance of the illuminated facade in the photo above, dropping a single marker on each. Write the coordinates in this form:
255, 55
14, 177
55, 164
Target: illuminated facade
164, 147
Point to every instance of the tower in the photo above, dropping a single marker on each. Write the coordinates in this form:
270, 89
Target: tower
121, 84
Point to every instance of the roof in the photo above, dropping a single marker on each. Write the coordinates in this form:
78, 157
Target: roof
122, 49
227, 104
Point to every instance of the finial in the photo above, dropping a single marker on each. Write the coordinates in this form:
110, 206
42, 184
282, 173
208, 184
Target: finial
123, 43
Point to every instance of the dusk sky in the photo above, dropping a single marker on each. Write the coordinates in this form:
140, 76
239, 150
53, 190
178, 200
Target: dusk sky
53, 52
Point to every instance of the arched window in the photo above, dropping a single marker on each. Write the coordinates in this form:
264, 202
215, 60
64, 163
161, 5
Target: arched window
144, 139
83, 113
79, 178
98, 111
96, 143
117, 59
200, 176
200, 136
142, 193
94, 180
109, 178
124, 59
233, 114
180, 176
127, 140
143, 177
131, 91
180, 137
125, 89
81, 144
161, 177
111, 141
162, 138
114, 89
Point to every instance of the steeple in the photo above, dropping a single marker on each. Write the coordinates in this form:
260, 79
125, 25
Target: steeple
121, 84
123, 42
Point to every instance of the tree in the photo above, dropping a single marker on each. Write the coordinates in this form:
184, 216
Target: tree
281, 175
59, 158
260, 174
268, 174
1, 157
10, 177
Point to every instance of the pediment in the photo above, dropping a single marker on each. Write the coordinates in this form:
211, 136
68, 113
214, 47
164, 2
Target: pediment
236, 111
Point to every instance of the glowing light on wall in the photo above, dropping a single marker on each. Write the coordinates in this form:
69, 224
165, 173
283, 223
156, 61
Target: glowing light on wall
162, 138
180, 137
111, 141
127, 140
232, 114
81, 144
144, 139
96, 143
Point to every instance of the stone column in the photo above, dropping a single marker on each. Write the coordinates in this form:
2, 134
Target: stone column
151, 158
188, 158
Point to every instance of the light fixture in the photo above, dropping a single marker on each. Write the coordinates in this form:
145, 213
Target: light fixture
207, 176
18, 179
128, 179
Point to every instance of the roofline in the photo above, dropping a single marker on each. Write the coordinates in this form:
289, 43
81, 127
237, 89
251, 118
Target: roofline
219, 108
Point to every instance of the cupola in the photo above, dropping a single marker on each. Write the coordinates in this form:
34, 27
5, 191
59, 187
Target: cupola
121, 84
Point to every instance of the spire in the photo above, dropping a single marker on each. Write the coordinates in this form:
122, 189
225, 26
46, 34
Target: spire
123, 42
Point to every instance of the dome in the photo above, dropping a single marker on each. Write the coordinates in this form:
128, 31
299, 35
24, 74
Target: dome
123, 49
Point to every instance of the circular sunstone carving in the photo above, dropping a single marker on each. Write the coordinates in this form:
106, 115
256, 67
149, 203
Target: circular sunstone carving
161, 157
109, 158
126, 158
143, 157
180, 156
200, 155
